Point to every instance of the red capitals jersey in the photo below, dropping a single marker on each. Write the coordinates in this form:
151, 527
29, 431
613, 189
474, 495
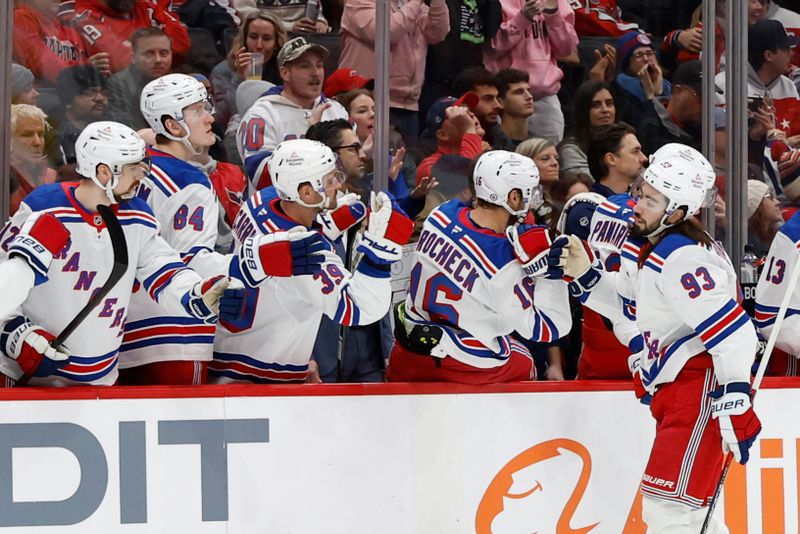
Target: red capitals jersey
601, 18
104, 30
45, 46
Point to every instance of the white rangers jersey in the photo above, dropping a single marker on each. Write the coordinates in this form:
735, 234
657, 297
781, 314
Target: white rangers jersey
186, 207
272, 119
83, 266
273, 340
686, 304
467, 280
781, 260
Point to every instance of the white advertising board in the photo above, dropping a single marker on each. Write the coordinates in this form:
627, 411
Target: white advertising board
411, 463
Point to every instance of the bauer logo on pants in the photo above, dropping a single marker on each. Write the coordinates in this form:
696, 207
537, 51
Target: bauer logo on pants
520, 497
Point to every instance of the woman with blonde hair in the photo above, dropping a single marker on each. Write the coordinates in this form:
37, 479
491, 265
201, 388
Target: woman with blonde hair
260, 33
543, 152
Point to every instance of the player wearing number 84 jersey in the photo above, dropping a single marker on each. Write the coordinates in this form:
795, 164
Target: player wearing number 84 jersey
472, 285
161, 347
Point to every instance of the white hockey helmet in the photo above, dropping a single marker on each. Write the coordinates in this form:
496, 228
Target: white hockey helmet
300, 161
169, 95
682, 183
109, 143
498, 172
693, 156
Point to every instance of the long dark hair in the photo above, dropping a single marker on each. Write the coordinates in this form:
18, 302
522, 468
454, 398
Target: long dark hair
582, 106
690, 228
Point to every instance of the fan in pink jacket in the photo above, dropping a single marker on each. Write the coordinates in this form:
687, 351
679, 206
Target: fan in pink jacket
414, 25
532, 36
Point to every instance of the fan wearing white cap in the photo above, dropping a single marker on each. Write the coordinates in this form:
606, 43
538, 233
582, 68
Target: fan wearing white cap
273, 342
699, 347
166, 348
472, 284
73, 258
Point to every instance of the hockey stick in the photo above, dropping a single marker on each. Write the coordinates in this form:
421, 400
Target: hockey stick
762, 369
348, 264
120, 249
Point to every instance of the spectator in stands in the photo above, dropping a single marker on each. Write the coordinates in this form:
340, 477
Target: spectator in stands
533, 36
516, 99
415, 24
680, 120
261, 33
456, 129
615, 158
28, 165
45, 45
543, 152
294, 16
601, 18
764, 217
473, 25
570, 184
483, 83
22, 90
343, 80
769, 55
108, 26
594, 106
684, 45
789, 18
83, 91
152, 58
640, 77
287, 111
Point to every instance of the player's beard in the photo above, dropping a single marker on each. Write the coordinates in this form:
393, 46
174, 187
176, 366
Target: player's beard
637, 230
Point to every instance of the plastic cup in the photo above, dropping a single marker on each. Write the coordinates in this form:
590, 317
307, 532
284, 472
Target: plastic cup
256, 66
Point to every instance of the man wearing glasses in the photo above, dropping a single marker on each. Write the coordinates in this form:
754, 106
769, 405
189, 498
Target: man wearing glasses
273, 340
640, 78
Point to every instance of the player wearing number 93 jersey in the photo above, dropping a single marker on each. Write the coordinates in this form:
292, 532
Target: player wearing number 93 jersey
472, 284
699, 344
273, 340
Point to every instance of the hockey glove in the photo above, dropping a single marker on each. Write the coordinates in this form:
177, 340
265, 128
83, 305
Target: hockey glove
293, 253
30, 346
204, 300
232, 302
738, 423
571, 259
635, 364
531, 246
350, 211
40, 238
387, 231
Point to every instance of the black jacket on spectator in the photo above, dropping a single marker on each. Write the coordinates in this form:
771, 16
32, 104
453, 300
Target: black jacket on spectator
460, 49
657, 129
210, 16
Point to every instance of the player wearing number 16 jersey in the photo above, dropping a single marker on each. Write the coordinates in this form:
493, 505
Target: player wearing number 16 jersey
699, 344
471, 285
273, 340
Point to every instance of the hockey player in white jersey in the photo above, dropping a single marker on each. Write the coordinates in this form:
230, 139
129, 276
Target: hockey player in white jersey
699, 345
772, 285
286, 111
273, 340
162, 347
472, 284
111, 160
